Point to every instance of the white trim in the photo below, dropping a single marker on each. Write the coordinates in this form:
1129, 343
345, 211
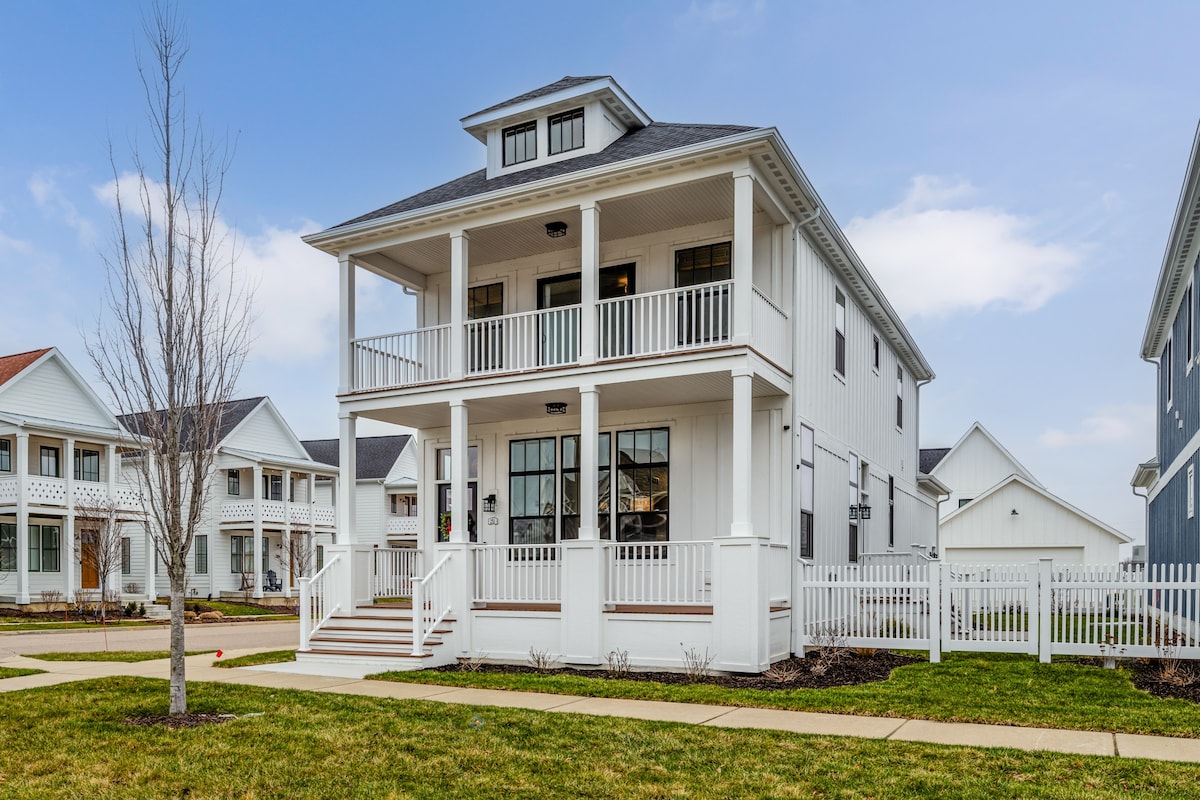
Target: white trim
978, 426
1185, 455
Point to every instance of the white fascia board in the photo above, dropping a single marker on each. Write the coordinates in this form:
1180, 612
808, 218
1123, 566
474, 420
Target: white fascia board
477, 124
933, 485
978, 426
282, 461
116, 434
1177, 260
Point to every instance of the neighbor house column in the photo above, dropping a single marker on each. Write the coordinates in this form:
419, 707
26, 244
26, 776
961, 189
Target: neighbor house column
285, 563
151, 561
23, 489
346, 378
459, 242
589, 257
259, 491
743, 253
66, 541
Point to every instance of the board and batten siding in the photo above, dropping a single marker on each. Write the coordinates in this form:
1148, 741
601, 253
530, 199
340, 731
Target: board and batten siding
973, 467
49, 391
1171, 537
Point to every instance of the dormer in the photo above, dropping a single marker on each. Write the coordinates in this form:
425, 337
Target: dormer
573, 117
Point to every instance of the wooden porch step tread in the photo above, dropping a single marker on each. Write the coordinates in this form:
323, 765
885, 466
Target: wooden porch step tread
348, 628
407, 618
335, 640
366, 653
519, 607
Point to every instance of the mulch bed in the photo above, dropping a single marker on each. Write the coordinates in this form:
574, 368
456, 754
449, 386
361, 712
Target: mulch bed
179, 721
852, 669
1148, 676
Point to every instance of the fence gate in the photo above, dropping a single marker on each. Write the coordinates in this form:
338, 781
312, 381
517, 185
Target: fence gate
990, 608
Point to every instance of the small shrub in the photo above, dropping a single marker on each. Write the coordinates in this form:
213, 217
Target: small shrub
141, 611
472, 663
829, 642
695, 665
130, 609
782, 672
618, 663
541, 660
50, 599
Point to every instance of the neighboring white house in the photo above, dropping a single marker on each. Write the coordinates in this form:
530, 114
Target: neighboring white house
386, 494
265, 527
998, 512
59, 458
650, 378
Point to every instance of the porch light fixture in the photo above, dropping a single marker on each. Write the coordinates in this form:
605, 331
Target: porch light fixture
489, 504
556, 230
555, 409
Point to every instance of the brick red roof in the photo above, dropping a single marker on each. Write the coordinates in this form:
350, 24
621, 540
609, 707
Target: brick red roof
10, 366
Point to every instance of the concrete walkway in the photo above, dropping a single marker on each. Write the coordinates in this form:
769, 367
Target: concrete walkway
294, 676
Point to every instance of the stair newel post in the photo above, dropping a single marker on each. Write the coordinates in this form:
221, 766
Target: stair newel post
305, 612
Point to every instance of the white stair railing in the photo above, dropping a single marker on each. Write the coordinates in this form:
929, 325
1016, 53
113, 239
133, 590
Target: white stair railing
431, 603
318, 599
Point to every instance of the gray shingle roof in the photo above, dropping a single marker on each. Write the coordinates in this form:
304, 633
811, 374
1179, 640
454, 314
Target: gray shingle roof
656, 137
232, 413
565, 83
931, 457
375, 454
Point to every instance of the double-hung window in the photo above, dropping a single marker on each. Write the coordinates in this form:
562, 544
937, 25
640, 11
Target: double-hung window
241, 554
5, 455
520, 143
126, 555
272, 487
49, 462
1168, 373
87, 465
8, 547
566, 131
44, 548
233, 483
839, 332
201, 545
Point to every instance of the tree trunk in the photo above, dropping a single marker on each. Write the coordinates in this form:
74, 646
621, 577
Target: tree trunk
178, 676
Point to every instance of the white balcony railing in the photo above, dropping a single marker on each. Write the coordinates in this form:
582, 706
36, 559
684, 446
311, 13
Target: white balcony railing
276, 512
769, 331
402, 526
523, 342
667, 321
402, 359
42, 491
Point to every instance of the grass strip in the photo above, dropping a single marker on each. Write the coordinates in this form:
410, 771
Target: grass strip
72, 741
254, 659
7, 627
16, 672
997, 689
124, 656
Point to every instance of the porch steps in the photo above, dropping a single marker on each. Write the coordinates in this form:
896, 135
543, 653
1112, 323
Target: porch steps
381, 636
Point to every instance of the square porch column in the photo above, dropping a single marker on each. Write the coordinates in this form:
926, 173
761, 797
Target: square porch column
459, 243
460, 570
258, 530
346, 379
347, 478
741, 605
589, 258
583, 558
743, 253
151, 559
22, 588
66, 543
286, 541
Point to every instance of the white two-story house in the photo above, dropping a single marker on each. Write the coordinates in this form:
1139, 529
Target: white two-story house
650, 378
386, 491
60, 474
265, 526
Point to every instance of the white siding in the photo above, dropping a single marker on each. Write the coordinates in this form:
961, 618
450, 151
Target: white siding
51, 392
404, 471
369, 513
975, 465
264, 432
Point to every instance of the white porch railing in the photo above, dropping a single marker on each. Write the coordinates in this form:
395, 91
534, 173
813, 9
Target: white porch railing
518, 573
8, 491
523, 342
665, 573
401, 359
431, 603
395, 569
401, 526
769, 331
317, 603
666, 321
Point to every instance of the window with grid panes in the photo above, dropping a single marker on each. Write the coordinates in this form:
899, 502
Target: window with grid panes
520, 143
531, 471
643, 483
566, 131
703, 314
571, 485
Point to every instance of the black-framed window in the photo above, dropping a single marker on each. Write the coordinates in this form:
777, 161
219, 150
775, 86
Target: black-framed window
900, 397
855, 500
807, 489
233, 482
444, 499
565, 131
5, 455
891, 511
272, 487
531, 471
875, 353
707, 263
485, 342
87, 465
643, 478
571, 486
839, 332
201, 545
705, 318
49, 466
241, 554
320, 557
8, 547
126, 555
520, 143
44, 548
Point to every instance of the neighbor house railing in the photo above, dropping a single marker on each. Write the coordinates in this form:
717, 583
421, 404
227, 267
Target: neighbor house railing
401, 359
401, 526
522, 342
663, 573
518, 573
394, 571
431, 602
317, 598
276, 511
44, 491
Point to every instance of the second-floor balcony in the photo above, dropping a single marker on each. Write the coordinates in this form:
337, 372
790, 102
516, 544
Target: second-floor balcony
662, 323
401, 526
277, 513
48, 492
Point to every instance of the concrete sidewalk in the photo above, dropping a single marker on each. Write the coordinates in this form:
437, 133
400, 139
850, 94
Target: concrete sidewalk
294, 676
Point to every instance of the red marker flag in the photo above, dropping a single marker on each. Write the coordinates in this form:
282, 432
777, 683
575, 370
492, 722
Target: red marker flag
219, 653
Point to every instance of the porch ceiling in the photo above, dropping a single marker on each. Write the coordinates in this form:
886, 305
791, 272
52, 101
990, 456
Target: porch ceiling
675, 206
527, 401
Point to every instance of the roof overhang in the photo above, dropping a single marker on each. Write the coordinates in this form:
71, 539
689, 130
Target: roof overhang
315, 467
932, 485
1177, 260
1146, 474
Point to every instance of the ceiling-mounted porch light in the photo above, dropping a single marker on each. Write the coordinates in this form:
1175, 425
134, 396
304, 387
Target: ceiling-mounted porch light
556, 408
556, 230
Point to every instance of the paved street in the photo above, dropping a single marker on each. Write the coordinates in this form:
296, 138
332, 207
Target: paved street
206, 636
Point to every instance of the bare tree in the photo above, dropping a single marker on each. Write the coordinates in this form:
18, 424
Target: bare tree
175, 329
100, 544
297, 555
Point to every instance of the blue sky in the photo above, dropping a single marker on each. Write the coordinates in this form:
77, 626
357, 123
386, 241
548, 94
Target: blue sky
1007, 171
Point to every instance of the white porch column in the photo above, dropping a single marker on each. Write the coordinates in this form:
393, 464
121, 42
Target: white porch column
459, 508
583, 558
286, 542
22, 587
152, 559
459, 242
66, 544
346, 480
346, 377
311, 550
743, 463
743, 253
258, 529
589, 257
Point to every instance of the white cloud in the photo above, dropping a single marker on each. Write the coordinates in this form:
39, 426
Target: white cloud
934, 256
1107, 425
51, 199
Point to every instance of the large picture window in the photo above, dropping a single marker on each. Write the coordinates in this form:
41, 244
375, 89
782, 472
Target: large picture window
520, 143
272, 487
87, 465
44, 548
643, 485
531, 491
566, 131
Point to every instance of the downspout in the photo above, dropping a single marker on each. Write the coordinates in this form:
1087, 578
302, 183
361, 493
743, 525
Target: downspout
937, 525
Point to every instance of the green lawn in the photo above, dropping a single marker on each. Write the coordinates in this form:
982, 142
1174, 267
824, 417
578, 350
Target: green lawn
48, 625
16, 672
124, 656
254, 659
71, 741
965, 687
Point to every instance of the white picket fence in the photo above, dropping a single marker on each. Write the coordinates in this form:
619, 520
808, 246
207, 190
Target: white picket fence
1043, 609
